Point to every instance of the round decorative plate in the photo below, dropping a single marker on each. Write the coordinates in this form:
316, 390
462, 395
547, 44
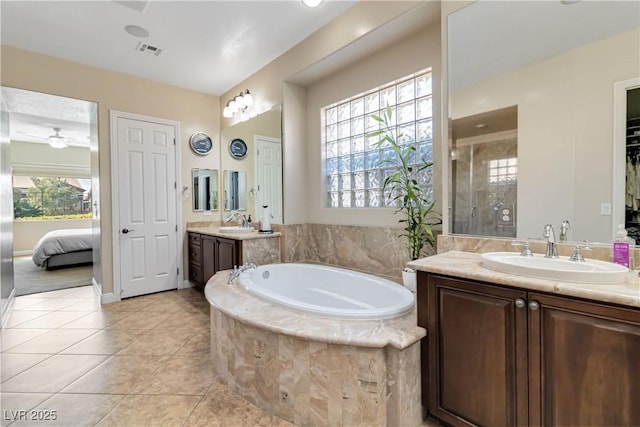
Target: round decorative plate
201, 143
238, 148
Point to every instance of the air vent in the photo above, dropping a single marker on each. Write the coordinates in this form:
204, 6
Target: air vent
147, 48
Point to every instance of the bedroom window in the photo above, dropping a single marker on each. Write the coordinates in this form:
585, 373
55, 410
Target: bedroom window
352, 172
51, 197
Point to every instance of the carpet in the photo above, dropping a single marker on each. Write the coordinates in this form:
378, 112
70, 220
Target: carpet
30, 279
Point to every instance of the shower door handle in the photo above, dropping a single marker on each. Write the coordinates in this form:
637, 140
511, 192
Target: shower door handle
473, 211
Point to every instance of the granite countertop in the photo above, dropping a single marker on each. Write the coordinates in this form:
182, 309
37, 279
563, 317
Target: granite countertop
232, 300
215, 231
468, 265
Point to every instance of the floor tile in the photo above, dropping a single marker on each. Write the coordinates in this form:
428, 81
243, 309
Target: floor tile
21, 303
56, 294
183, 319
13, 364
200, 343
117, 375
18, 317
15, 406
180, 375
161, 342
83, 292
53, 319
12, 337
150, 411
131, 304
97, 320
54, 341
85, 304
53, 374
141, 320
73, 410
224, 408
106, 341
54, 303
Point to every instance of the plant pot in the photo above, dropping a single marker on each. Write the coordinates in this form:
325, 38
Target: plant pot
409, 278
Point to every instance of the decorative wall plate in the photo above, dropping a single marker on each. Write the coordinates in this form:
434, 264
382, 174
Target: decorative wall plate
201, 143
238, 148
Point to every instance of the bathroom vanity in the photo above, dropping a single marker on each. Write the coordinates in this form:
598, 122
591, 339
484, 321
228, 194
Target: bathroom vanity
510, 350
212, 250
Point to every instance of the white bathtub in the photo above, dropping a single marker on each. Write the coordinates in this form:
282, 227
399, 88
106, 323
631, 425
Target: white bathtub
328, 291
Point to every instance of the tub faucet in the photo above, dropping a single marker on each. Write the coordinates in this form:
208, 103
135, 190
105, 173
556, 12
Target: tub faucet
564, 228
238, 271
550, 235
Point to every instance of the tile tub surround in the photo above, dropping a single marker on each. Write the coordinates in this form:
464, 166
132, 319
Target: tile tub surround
477, 244
374, 250
311, 370
468, 265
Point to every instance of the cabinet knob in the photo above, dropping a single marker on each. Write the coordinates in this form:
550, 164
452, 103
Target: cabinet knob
534, 305
520, 303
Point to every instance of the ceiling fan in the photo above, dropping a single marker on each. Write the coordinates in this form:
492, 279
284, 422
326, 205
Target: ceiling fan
56, 140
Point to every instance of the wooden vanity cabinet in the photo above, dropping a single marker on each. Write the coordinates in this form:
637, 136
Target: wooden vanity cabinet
210, 254
505, 356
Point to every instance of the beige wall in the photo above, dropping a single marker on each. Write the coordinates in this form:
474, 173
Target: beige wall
412, 54
565, 132
29, 158
27, 233
114, 91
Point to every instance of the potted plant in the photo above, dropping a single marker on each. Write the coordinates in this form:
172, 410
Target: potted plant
402, 188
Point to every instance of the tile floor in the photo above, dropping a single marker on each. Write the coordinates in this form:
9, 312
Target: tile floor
140, 362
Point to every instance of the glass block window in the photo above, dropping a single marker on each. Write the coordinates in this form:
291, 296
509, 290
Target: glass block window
354, 175
503, 171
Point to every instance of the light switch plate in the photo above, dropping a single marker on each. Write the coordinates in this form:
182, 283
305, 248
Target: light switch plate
605, 208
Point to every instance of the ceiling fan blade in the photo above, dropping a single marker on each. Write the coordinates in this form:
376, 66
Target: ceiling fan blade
30, 135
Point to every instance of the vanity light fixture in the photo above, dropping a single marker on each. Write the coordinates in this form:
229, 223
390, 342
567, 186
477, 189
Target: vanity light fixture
238, 104
312, 3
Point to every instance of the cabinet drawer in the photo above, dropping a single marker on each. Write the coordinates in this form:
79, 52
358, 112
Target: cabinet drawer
195, 274
195, 254
194, 239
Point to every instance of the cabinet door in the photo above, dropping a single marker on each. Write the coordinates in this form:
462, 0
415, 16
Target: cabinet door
228, 253
209, 258
477, 340
584, 363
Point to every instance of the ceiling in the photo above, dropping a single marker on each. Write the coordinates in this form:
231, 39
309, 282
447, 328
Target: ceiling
207, 46
538, 30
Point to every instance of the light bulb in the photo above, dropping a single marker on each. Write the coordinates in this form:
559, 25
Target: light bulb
239, 102
248, 99
227, 112
232, 106
312, 3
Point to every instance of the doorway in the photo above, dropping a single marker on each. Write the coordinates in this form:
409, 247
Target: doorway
269, 177
53, 140
145, 170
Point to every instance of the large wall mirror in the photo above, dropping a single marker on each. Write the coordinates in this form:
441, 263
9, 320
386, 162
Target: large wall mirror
531, 110
204, 189
262, 165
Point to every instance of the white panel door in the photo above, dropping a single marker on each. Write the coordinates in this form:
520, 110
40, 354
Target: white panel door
269, 177
147, 202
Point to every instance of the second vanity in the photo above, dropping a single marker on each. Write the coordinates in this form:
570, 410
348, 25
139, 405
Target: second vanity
510, 350
211, 250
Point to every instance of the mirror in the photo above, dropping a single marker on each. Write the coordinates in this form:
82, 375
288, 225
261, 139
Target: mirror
235, 191
262, 164
204, 184
555, 65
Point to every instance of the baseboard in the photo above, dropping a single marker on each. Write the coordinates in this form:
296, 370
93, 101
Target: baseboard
97, 288
186, 284
7, 309
108, 298
22, 253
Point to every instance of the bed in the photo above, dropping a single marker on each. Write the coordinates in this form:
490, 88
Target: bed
64, 248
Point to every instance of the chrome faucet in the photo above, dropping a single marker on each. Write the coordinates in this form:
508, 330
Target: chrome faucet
238, 271
550, 235
244, 222
564, 228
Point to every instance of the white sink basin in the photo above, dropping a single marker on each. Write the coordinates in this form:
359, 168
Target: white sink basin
561, 269
235, 230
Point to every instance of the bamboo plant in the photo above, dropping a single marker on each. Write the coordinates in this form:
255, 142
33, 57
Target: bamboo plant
403, 189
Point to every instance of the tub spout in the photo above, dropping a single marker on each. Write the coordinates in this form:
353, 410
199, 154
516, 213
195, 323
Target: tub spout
238, 271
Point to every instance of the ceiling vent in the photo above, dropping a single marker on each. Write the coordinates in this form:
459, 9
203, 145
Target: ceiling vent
147, 48
139, 5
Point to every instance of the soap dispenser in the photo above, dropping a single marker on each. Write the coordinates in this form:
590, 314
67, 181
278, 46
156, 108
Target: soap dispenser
622, 247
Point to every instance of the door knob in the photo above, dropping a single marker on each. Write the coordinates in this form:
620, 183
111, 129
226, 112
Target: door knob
534, 305
126, 230
520, 303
